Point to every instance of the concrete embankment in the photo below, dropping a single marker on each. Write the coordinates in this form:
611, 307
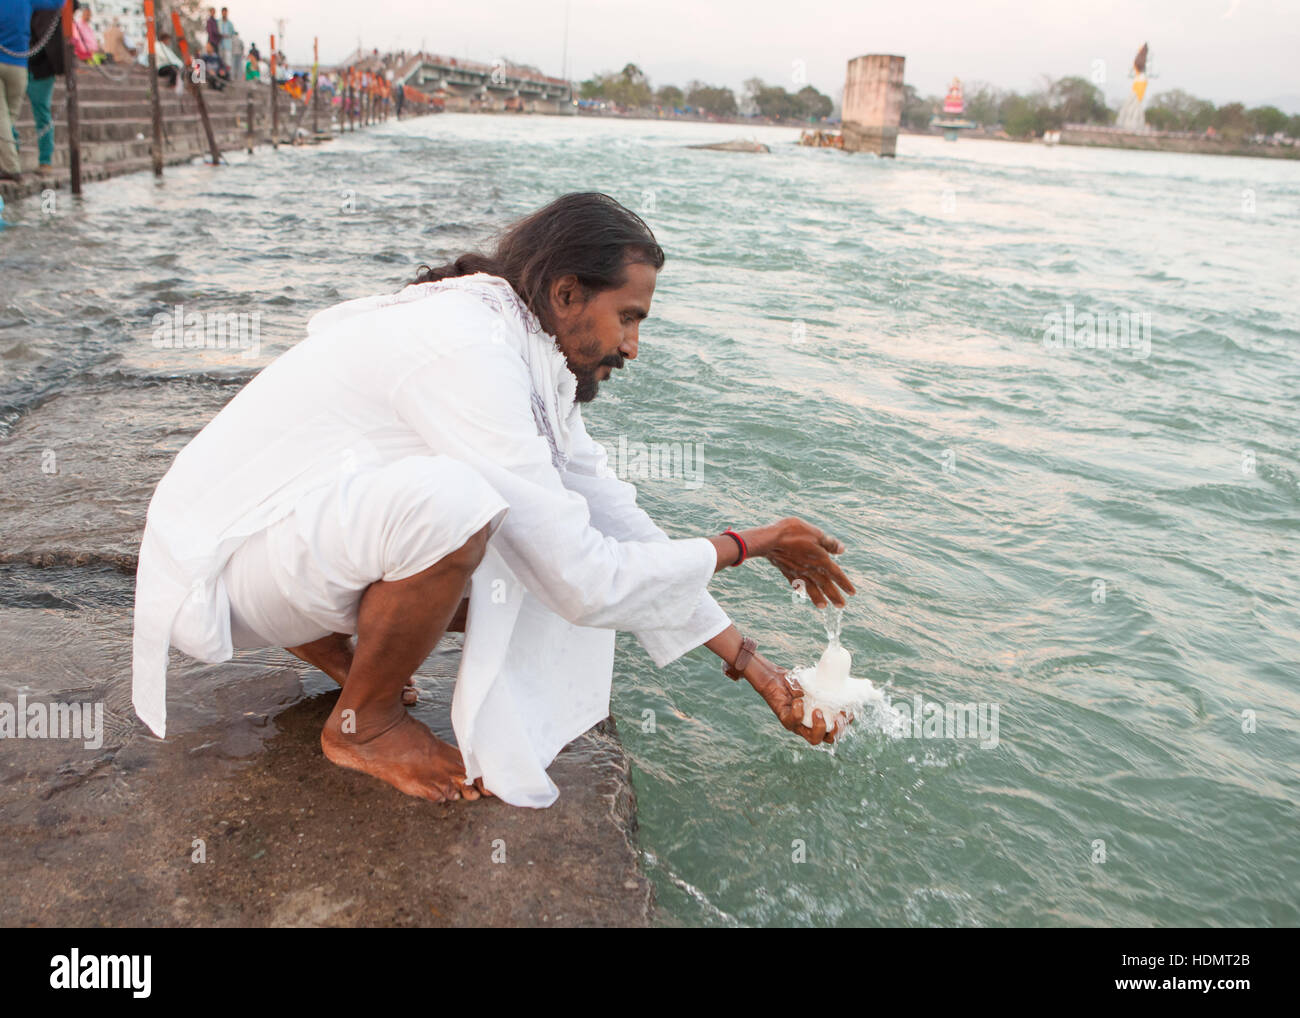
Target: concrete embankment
1167, 141
236, 819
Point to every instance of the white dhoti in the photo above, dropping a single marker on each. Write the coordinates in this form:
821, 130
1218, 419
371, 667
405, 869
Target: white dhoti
302, 577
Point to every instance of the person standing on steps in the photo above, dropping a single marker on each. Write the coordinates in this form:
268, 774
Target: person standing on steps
43, 67
213, 29
15, 46
227, 49
85, 44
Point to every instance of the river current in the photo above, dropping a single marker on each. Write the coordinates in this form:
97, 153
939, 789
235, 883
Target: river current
1048, 397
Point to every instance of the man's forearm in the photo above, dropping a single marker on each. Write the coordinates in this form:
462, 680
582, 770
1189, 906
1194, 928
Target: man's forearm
726, 644
758, 542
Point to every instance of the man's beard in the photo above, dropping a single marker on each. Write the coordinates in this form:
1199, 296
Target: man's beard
588, 383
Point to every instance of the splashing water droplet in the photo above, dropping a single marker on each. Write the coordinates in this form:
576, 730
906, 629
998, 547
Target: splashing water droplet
830, 687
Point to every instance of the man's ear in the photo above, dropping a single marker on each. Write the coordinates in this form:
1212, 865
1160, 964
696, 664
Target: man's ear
566, 293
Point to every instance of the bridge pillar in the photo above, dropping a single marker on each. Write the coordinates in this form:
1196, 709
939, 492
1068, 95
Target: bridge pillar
873, 104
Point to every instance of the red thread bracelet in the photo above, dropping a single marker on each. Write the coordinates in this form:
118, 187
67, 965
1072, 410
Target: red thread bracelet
740, 543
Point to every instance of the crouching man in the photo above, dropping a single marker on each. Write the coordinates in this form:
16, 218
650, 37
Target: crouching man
418, 463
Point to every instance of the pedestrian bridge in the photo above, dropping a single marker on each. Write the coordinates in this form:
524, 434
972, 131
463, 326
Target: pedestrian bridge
467, 84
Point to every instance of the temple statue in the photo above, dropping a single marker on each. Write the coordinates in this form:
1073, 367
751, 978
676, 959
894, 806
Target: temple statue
1131, 116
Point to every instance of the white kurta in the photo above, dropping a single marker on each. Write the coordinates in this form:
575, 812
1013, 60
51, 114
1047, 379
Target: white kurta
460, 368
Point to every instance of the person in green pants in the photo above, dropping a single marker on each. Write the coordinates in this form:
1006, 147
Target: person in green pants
42, 67
15, 40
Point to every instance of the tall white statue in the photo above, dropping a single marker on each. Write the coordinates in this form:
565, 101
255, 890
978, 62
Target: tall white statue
1131, 115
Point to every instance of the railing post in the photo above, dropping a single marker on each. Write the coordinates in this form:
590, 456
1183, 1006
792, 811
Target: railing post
275, 106
315, 87
155, 100
74, 114
196, 88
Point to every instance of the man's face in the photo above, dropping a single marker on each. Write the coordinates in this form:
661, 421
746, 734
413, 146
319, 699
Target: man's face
598, 334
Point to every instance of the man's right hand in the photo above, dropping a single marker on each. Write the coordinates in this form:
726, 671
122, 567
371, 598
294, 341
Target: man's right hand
803, 554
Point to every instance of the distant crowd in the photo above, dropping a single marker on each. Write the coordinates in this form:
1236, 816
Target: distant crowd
220, 48
32, 56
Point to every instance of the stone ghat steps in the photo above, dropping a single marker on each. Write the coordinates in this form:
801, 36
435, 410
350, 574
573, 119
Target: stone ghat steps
129, 99
180, 142
125, 129
119, 154
123, 139
139, 107
135, 85
98, 106
116, 128
113, 130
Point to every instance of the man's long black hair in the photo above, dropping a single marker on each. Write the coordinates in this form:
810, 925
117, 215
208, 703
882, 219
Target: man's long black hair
585, 234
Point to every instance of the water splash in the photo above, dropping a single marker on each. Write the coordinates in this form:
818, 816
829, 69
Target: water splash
832, 689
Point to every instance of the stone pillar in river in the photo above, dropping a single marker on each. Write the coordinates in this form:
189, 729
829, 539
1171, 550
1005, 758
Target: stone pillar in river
873, 104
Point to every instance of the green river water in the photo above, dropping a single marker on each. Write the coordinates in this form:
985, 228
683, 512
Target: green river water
1100, 543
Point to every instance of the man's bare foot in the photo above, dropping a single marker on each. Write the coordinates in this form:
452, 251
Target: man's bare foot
333, 655
407, 756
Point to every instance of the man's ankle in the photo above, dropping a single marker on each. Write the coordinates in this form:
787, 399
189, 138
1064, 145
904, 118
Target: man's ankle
362, 721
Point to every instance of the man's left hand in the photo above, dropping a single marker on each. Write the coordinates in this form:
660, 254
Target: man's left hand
785, 698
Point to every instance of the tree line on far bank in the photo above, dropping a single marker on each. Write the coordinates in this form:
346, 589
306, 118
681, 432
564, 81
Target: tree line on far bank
1076, 100
1072, 100
631, 89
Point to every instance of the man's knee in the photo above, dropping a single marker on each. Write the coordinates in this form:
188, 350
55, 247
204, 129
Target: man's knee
467, 557
418, 501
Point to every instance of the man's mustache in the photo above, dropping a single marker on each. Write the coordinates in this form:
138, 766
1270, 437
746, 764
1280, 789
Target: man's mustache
614, 361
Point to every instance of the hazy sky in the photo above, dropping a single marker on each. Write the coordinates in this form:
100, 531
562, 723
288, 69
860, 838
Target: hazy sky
1224, 50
